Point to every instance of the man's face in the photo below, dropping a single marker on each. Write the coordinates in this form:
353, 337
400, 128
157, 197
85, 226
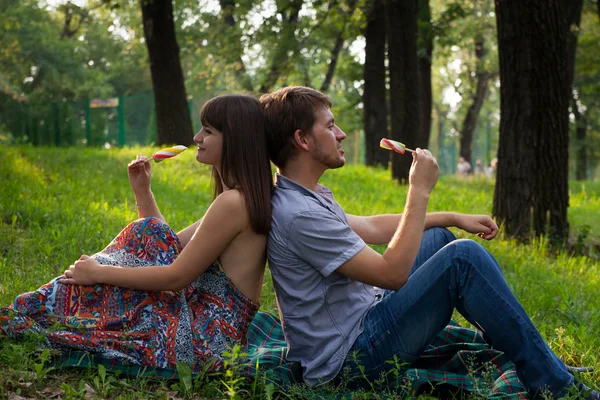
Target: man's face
327, 139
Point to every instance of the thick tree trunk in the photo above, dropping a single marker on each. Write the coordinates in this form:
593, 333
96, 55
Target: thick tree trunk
401, 24
425, 45
337, 47
173, 122
374, 93
531, 192
470, 122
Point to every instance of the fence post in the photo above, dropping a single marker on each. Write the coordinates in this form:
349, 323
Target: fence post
57, 120
488, 132
121, 116
88, 122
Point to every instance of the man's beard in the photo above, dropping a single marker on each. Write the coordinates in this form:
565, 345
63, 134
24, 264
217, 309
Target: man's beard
329, 161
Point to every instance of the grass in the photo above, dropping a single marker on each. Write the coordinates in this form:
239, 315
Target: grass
56, 204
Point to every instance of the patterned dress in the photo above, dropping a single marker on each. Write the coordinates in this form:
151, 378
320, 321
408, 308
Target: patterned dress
133, 327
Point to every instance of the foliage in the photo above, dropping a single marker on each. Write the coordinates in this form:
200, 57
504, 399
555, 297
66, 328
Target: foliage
105, 56
587, 80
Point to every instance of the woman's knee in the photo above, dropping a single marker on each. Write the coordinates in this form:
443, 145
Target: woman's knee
147, 222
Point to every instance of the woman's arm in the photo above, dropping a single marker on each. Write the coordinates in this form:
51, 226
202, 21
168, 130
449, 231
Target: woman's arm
186, 234
223, 221
140, 174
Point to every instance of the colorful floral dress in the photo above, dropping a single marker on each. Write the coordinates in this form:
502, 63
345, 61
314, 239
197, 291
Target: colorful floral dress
133, 327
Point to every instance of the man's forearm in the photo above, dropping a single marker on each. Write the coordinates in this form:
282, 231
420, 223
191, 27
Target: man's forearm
381, 228
440, 219
404, 246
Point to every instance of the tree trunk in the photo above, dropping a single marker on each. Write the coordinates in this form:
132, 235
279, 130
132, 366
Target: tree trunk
337, 47
580, 142
425, 45
234, 51
531, 192
470, 122
374, 93
401, 24
173, 122
573, 12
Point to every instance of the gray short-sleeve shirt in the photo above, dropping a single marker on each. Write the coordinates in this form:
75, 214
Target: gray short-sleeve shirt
322, 310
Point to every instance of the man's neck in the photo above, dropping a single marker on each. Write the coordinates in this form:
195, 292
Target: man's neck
304, 174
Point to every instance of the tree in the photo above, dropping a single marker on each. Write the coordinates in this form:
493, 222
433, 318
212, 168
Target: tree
531, 192
401, 24
482, 76
425, 51
574, 10
337, 47
173, 122
288, 44
233, 50
374, 92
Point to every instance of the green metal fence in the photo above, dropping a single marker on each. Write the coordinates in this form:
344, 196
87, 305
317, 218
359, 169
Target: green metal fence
120, 121
131, 120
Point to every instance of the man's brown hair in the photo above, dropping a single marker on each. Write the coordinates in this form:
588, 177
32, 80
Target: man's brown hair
287, 110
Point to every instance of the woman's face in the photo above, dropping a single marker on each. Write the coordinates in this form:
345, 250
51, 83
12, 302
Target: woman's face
210, 146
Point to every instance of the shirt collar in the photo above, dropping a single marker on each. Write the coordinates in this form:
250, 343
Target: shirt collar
322, 192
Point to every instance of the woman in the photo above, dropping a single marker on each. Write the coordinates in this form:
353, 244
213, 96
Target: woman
198, 290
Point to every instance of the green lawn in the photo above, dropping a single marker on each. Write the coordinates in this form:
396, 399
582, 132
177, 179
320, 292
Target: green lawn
56, 204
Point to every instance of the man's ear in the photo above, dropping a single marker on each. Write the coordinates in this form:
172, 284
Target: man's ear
301, 140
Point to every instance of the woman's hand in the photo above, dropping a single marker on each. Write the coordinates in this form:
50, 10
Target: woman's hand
82, 272
140, 173
482, 225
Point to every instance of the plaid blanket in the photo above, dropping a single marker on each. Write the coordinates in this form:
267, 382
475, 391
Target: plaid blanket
458, 359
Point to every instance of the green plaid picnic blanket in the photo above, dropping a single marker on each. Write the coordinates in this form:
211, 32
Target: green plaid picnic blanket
457, 359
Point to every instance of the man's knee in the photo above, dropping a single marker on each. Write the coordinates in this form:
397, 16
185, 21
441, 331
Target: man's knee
474, 253
441, 234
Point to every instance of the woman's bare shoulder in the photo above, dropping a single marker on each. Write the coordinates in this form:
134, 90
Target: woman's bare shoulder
231, 204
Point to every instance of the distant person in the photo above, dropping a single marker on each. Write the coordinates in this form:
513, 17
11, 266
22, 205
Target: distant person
463, 168
153, 297
479, 170
490, 170
324, 272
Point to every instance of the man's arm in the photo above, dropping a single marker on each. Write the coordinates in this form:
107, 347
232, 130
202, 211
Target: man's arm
379, 229
391, 270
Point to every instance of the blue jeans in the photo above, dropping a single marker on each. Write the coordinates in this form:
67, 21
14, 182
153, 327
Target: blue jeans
453, 274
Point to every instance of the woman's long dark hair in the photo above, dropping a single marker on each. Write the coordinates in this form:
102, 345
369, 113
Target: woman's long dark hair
244, 162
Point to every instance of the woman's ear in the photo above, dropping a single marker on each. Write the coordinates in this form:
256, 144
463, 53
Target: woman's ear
300, 139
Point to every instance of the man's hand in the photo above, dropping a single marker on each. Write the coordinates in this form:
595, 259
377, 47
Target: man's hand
482, 225
424, 171
82, 272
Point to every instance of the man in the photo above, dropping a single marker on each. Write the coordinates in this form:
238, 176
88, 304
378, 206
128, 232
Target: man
463, 168
324, 273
